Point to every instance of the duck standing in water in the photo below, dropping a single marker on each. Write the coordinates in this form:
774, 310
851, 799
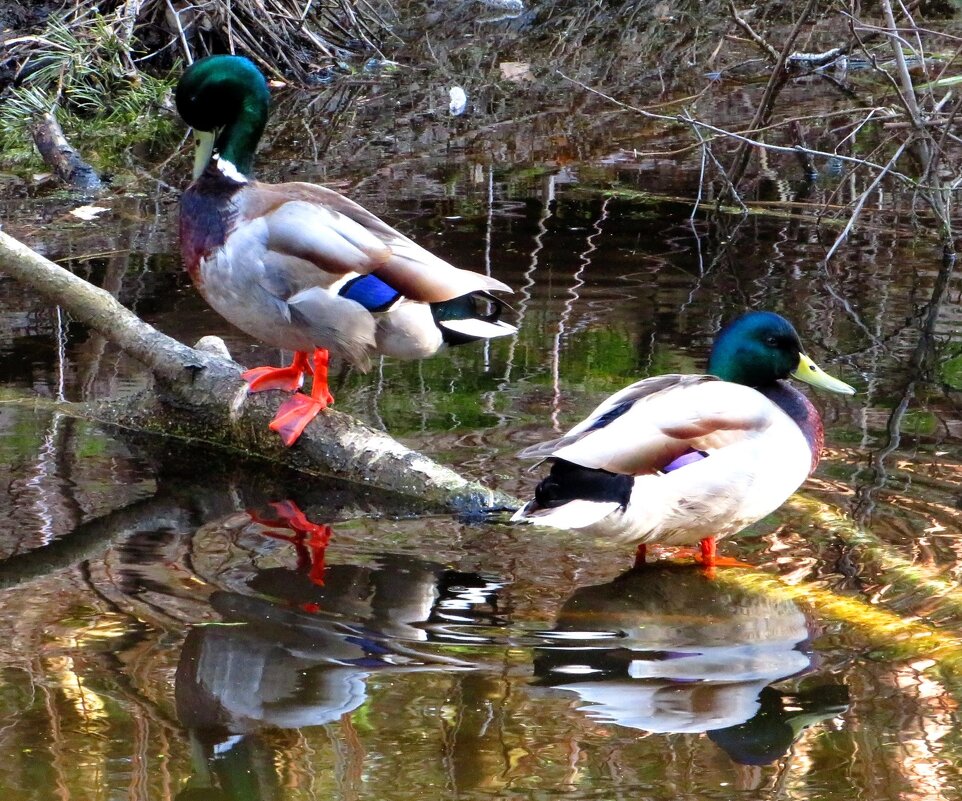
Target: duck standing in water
302, 267
680, 459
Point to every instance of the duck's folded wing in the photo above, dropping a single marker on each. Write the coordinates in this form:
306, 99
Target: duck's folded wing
422, 276
339, 236
648, 425
611, 408
331, 241
641, 391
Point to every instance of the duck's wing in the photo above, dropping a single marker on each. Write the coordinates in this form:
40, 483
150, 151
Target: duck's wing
646, 426
610, 409
310, 224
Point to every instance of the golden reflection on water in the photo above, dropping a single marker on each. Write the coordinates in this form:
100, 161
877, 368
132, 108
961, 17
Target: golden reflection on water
90, 708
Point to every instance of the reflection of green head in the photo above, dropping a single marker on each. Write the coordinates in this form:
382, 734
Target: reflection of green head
760, 348
228, 97
779, 720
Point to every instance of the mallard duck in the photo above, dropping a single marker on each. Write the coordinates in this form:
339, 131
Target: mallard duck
301, 267
685, 459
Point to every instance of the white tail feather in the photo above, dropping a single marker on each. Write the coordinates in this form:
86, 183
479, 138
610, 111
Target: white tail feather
574, 514
479, 329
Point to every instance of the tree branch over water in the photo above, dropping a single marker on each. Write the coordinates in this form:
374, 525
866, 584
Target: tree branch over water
917, 126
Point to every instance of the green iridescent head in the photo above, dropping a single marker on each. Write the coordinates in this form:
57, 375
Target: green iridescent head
759, 348
225, 100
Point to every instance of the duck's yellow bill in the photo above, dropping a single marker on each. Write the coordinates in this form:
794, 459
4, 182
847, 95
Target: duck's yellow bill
811, 373
203, 150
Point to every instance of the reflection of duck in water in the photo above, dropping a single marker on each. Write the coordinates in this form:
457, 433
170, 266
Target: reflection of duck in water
666, 649
781, 717
305, 652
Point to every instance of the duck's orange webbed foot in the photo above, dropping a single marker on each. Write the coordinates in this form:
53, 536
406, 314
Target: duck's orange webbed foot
706, 555
294, 415
298, 410
287, 378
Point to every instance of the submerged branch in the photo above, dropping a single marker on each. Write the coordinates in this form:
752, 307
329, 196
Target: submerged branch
199, 396
60, 155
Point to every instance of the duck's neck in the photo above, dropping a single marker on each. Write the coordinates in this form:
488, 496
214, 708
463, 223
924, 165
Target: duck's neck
208, 210
238, 141
801, 410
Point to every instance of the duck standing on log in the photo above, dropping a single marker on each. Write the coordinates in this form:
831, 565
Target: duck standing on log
301, 267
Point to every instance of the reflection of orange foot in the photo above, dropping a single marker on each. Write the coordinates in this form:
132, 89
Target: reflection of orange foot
310, 540
288, 378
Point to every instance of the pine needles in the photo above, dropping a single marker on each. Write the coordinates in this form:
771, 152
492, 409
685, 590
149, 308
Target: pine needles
89, 64
83, 74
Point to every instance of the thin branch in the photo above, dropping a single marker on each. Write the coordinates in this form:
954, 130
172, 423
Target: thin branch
707, 151
742, 23
772, 88
907, 92
861, 203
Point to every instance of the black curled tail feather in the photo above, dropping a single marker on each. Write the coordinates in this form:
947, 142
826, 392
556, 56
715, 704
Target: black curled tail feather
473, 306
568, 482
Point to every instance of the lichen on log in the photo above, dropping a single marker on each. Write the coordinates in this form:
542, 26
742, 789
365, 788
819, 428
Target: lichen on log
199, 396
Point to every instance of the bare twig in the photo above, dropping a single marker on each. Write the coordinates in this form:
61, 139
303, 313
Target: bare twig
861, 203
692, 123
742, 23
775, 83
907, 93
707, 151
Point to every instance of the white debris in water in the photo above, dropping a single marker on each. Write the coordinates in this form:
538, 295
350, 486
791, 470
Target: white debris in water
88, 213
459, 101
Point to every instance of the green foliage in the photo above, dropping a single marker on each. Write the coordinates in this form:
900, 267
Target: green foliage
86, 76
951, 371
919, 422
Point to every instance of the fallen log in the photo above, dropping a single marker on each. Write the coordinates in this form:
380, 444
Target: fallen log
198, 396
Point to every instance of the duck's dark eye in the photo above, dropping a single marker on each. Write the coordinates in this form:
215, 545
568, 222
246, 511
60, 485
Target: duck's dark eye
773, 341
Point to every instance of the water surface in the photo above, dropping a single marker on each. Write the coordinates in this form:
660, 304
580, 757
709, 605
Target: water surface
166, 633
